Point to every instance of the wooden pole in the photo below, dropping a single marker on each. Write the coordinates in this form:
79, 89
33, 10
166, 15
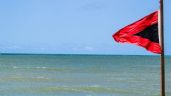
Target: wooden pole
162, 48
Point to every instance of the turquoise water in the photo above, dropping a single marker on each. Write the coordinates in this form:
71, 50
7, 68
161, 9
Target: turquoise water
81, 75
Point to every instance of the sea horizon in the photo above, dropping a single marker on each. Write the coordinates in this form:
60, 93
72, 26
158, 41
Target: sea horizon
81, 54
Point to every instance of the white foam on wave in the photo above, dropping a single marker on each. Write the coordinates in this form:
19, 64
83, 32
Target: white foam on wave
15, 67
41, 77
94, 86
41, 67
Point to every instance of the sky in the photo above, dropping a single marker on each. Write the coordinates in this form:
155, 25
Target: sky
74, 26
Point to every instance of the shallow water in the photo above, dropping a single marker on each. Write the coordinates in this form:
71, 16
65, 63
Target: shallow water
81, 75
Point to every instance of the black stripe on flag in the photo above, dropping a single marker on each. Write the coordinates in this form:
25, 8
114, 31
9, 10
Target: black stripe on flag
150, 33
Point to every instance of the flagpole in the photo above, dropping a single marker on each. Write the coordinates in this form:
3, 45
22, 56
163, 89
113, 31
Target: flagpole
162, 48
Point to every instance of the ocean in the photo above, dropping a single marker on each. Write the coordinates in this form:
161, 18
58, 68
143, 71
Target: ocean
82, 75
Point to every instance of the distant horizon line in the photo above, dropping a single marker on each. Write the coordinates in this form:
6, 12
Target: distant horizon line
79, 54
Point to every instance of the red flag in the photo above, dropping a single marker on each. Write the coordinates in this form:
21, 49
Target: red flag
143, 32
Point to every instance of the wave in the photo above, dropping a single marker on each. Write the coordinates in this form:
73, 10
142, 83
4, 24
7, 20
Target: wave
42, 68
69, 89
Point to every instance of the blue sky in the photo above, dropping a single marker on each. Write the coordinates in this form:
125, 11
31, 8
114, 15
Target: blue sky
73, 26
